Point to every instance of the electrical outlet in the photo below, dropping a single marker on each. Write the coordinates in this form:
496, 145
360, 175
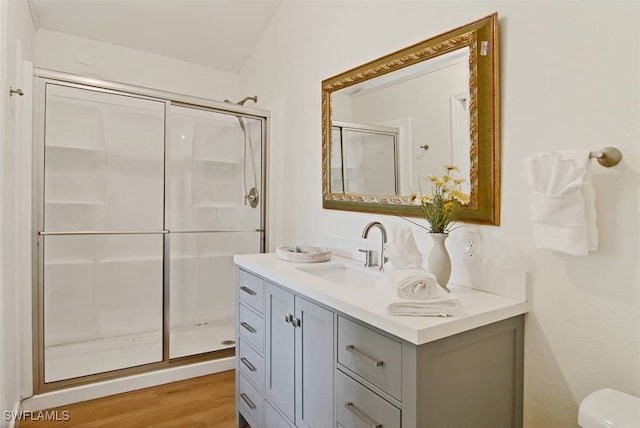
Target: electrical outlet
472, 242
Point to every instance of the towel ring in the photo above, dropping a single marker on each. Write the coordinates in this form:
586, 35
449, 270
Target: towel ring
607, 157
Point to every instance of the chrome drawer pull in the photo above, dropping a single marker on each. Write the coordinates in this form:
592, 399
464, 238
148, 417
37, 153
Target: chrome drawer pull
248, 327
247, 400
362, 415
248, 364
248, 290
358, 352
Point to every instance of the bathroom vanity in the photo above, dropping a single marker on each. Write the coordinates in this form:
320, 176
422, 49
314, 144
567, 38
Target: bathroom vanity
317, 348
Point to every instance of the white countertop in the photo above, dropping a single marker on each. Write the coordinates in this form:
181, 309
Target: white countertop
477, 308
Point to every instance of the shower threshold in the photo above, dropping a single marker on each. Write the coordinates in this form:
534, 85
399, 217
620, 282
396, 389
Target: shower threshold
72, 360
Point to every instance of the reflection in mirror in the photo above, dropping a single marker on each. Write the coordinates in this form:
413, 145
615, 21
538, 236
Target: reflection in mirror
429, 102
363, 159
442, 98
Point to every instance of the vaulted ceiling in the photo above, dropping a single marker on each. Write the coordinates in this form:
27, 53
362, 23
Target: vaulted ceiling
217, 33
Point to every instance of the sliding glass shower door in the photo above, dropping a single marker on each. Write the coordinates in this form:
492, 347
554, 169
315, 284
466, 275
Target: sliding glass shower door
142, 205
102, 232
214, 160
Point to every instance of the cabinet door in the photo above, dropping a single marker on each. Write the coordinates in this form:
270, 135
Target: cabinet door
315, 356
273, 419
280, 349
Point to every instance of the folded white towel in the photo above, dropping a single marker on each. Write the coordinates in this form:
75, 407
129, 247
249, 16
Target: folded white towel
441, 307
416, 284
430, 300
403, 253
562, 202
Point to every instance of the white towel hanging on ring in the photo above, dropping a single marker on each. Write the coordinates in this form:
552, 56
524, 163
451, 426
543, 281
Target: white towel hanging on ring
562, 202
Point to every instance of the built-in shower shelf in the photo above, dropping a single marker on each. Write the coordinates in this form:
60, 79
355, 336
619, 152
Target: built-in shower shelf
200, 256
182, 257
131, 260
75, 148
68, 262
215, 255
217, 205
220, 161
73, 202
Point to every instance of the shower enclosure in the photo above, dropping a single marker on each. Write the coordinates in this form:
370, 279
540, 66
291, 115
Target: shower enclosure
142, 201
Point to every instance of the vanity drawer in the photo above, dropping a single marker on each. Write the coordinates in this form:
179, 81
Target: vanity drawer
251, 290
359, 407
251, 364
375, 357
251, 328
250, 401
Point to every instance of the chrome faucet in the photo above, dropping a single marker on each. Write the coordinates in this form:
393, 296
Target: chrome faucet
383, 232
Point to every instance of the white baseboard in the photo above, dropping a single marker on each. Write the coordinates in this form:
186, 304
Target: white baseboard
125, 384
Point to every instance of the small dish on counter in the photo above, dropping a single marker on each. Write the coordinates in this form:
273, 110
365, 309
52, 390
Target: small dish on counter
302, 254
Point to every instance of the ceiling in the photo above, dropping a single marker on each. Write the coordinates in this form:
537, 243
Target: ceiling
216, 33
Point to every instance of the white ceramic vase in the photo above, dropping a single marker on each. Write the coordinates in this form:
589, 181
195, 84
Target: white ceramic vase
439, 262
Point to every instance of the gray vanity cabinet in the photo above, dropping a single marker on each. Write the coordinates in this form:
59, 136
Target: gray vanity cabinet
301, 364
299, 358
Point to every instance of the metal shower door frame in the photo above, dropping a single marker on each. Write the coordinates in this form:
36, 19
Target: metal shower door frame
42, 77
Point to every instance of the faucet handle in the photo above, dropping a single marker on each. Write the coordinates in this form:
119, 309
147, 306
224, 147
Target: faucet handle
369, 256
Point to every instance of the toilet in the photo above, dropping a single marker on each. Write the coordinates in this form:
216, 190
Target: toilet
608, 408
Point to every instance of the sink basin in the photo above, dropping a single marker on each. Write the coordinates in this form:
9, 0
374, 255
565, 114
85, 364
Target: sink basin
347, 275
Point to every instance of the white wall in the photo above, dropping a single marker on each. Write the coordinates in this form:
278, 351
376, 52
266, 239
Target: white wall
16, 44
106, 61
570, 82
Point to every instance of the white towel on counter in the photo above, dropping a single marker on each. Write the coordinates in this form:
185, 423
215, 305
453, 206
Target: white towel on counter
429, 301
562, 202
443, 307
403, 253
416, 284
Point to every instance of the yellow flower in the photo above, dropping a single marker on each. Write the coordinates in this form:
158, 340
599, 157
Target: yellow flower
463, 198
440, 207
425, 199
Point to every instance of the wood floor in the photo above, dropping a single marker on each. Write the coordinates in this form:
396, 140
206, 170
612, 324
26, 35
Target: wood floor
206, 401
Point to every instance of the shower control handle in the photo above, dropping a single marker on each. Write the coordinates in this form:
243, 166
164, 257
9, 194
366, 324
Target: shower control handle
252, 197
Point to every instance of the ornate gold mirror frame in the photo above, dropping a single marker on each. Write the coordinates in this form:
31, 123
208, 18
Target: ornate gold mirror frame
481, 37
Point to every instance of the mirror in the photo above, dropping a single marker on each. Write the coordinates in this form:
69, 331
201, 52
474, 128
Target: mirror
388, 123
